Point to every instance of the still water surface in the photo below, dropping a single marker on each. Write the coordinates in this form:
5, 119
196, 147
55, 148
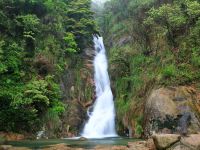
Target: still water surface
88, 144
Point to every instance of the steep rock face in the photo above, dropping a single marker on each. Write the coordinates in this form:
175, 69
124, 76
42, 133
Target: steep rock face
172, 110
78, 92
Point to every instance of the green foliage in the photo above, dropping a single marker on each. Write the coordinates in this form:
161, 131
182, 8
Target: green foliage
169, 71
151, 43
168, 15
30, 102
36, 40
70, 42
52, 122
193, 9
195, 59
80, 22
28, 22
139, 129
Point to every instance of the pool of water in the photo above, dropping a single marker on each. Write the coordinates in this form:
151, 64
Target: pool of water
88, 144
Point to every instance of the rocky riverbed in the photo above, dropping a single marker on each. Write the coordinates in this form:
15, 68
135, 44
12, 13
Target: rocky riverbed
156, 142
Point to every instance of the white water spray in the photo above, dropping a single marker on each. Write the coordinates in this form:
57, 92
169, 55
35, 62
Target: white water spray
101, 121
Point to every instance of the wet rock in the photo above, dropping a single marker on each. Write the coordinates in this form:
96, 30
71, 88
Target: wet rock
42, 134
89, 52
163, 141
88, 104
83, 139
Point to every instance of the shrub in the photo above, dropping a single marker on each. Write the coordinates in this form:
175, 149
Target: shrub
195, 59
169, 71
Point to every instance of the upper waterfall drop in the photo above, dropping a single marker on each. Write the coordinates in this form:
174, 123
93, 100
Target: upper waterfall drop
101, 121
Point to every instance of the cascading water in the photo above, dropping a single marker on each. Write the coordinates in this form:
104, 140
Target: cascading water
101, 121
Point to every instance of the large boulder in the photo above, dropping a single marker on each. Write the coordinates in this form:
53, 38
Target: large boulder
179, 146
163, 141
192, 141
172, 110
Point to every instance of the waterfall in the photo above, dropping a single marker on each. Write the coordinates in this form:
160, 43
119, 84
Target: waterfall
101, 121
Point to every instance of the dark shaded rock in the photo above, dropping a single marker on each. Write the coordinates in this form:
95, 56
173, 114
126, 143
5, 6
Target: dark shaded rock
183, 123
124, 40
89, 52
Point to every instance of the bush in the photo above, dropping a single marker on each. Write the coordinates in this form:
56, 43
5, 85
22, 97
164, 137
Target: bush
195, 59
24, 106
52, 122
169, 71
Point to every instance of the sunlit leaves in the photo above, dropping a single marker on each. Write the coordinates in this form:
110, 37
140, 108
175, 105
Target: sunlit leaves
71, 43
167, 15
29, 22
193, 9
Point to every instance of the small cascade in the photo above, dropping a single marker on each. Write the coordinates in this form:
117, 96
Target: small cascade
101, 121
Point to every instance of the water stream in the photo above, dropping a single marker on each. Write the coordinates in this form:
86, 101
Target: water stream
101, 121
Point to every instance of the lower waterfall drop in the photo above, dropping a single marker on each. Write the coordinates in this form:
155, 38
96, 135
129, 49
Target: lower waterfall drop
101, 121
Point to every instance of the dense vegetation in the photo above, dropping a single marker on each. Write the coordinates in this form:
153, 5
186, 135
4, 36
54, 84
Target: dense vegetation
38, 40
151, 43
